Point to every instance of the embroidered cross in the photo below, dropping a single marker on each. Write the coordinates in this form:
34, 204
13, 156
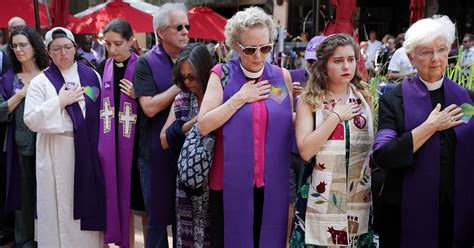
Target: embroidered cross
107, 113
127, 118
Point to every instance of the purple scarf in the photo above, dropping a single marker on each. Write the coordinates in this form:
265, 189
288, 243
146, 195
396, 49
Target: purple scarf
117, 174
297, 75
13, 188
89, 189
239, 166
163, 174
420, 200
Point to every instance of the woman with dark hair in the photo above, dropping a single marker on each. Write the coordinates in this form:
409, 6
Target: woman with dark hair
334, 132
118, 113
191, 72
28, 57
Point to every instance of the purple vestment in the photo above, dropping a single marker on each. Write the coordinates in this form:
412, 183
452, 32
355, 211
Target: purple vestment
163, 175
13, 193
89, 189
239, 166
420, 196
117, 168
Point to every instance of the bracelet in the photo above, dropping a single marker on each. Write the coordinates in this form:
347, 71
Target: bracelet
230, 105
338, 116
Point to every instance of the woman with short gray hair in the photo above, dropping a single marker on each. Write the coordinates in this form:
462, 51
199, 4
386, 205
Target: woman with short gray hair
424, 145
248, 102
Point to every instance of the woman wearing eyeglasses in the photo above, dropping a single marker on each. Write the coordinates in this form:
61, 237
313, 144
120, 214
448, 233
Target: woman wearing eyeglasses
28, 58
191, 73
62, 106
252, 114
424, 145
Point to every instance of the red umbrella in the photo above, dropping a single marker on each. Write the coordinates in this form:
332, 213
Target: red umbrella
417, 10
60, 13
343, 24
206, 24
23, 9
96, 21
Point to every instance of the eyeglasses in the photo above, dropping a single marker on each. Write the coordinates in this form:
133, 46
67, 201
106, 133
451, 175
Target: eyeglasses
430, 53
66, 47
189, 78
310, 61
20, 45
252, 50
179, 28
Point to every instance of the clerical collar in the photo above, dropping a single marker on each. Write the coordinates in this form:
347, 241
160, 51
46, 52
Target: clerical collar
252, 75
121, 64
433, 86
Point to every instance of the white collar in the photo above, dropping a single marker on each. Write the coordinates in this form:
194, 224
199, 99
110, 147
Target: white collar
433, 86
250, 74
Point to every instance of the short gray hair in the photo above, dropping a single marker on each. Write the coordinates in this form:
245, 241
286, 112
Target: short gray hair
247, 19
15, 21
427, 30
161, 17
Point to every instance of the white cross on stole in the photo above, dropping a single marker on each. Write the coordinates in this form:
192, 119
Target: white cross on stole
127, 118
107, 113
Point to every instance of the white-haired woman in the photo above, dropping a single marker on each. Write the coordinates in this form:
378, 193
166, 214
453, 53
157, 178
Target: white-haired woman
248, 103
424, 145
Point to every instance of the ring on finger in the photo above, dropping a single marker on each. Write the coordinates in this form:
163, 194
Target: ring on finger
453, 119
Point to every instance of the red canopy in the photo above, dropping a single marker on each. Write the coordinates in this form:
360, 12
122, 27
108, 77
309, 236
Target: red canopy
206, 24
417, 10
343, 24
60, 13
23, 9
96, 21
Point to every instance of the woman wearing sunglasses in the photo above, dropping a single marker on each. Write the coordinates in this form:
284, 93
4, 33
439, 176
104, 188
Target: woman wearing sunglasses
28, 57
191, 73
252, 114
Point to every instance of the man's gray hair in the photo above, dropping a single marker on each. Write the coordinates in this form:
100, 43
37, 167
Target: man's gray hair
161, 17
15, 21
427, 30
246, 20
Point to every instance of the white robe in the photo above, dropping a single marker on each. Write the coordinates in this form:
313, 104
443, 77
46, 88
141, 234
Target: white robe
55, 226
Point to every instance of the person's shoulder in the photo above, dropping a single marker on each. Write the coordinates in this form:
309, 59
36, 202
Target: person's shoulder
471, 94
394, 95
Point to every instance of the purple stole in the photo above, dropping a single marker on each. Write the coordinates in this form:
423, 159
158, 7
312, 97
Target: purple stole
163, 183
117, 174
239, 166
13, 188
89, 189
420, 197
297, 75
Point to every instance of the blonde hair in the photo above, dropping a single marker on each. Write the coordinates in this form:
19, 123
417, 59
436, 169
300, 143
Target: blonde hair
317, 89
246, 20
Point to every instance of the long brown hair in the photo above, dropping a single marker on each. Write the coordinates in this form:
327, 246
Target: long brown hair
317, 88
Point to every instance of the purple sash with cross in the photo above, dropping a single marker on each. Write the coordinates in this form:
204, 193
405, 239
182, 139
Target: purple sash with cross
89, 189
117, 173
163, 183
13, 188
239, 166
420, 196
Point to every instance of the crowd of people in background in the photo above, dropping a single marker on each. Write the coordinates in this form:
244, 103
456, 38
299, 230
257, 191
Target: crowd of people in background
285, 151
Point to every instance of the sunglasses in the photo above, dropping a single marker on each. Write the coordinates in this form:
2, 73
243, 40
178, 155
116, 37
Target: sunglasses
189, 78
310, 61
179, 28
252, 50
